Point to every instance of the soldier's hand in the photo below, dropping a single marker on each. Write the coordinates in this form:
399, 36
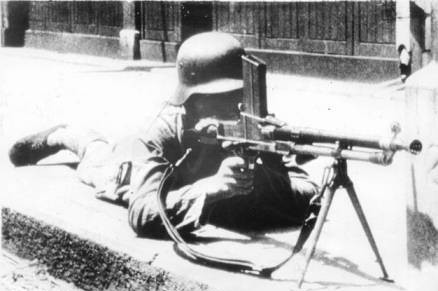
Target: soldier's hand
232, 178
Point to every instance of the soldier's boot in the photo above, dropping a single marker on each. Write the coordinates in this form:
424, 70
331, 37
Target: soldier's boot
33, 148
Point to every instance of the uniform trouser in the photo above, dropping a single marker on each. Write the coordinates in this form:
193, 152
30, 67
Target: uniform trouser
100, 162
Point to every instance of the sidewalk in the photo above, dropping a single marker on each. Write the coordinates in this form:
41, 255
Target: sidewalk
40, 88
17, 274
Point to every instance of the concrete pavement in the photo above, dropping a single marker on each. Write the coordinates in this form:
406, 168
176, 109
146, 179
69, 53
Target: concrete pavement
39, 89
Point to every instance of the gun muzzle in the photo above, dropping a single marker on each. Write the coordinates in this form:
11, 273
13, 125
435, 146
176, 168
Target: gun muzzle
415, 147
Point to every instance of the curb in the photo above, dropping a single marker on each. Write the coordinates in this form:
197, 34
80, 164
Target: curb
82, 262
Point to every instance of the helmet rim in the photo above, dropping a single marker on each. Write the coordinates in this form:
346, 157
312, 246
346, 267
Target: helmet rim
216, 86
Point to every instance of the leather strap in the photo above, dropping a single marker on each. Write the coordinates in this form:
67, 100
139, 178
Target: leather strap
183, 249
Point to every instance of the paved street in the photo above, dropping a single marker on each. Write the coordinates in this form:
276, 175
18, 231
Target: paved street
39, 89
17, 274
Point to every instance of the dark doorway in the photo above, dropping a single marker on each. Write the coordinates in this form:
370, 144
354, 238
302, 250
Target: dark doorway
196, 17
18, 22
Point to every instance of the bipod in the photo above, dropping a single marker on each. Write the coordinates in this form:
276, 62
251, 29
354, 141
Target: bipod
334, 177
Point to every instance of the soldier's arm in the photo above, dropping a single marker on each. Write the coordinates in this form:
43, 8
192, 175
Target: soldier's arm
160, 147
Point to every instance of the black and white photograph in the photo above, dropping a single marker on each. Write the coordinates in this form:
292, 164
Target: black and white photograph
219, 145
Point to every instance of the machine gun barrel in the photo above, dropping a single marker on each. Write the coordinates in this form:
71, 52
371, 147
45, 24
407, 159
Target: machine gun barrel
304, 135
286, 147
378, 157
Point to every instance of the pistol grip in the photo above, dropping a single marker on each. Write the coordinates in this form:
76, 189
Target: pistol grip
248, 156
250, 162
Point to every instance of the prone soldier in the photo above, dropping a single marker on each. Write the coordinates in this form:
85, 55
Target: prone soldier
211, 185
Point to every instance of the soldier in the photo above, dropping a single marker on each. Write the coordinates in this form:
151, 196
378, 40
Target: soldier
211, 185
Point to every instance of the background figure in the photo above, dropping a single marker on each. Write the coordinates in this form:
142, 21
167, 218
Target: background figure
405, 62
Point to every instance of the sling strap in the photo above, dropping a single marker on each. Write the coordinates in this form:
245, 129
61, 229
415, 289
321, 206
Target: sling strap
245, 266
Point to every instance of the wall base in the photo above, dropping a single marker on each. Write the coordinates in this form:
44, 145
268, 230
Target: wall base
287, 62
157, 51
129, 44
330, 66
105, 46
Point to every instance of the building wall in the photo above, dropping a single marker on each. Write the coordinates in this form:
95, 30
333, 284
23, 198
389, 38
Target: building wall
14, 22
341, 39
3, 20
365, 28
76, 26
159, 24
279, 31
101, 18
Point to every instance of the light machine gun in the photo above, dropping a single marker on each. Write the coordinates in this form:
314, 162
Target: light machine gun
256, 132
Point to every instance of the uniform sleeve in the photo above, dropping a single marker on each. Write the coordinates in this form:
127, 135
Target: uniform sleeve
160, 147
300, 181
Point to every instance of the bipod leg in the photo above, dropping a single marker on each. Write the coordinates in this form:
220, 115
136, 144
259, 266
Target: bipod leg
348, 185
327, 198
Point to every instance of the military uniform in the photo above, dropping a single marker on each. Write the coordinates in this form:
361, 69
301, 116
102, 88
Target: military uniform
280, 197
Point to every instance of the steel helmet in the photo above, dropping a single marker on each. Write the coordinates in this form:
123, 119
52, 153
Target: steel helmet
208, 63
